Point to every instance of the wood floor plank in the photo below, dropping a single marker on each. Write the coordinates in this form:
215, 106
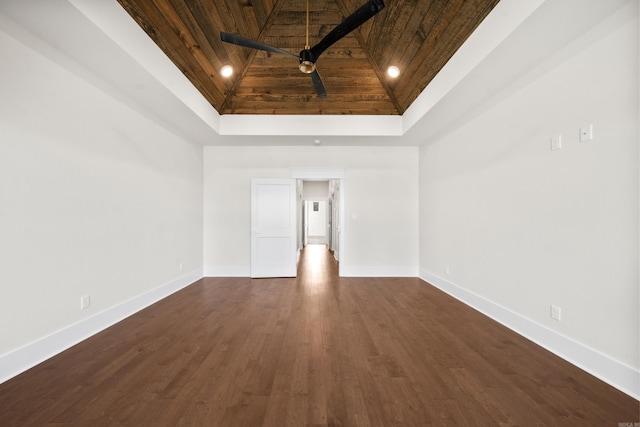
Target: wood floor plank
316, 350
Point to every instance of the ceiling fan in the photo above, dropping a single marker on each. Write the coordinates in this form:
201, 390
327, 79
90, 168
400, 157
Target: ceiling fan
308, 56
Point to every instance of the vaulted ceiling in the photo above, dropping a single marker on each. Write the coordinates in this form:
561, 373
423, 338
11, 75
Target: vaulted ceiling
418, 37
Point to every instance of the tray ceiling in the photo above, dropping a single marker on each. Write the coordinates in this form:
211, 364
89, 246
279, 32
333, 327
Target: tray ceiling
418, 37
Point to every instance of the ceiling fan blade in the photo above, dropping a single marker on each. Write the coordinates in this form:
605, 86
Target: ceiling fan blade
353, 21
318, 85
253, 44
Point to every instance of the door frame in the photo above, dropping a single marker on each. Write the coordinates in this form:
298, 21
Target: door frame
328, 174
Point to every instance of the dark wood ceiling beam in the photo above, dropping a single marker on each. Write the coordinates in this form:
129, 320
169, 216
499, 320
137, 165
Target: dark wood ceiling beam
428, 34
199, 40
208, 16
466, 20
402, 28
153, 22
238, 81
304, 105
380, 73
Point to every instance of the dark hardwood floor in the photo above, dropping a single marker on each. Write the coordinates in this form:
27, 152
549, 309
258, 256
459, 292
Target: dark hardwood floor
312, 351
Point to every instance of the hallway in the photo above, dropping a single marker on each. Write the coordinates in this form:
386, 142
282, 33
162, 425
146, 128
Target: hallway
317, 264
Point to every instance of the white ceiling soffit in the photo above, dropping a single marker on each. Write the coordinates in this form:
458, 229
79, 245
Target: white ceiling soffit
557, 30
60, 32
98, 41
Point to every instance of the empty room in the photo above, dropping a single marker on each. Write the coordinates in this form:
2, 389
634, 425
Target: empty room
320, 212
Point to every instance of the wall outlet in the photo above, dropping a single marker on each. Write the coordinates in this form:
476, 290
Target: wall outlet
556, 142
181, 266
556, 312
85, 302
447, 270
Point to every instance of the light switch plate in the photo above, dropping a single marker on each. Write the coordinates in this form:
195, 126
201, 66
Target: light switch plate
586, 133
85, 302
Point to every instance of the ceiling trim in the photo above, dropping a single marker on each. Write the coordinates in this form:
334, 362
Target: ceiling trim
313, 174
310, 125
115, 23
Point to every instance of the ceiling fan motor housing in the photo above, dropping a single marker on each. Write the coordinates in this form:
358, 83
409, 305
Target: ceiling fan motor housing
307, 61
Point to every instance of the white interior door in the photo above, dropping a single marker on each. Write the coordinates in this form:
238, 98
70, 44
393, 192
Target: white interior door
273, 228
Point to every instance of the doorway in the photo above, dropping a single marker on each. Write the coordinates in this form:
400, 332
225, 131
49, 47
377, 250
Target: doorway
326, 188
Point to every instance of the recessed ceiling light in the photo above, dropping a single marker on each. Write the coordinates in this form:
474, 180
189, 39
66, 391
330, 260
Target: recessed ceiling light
393, 71
316, 141
226, 71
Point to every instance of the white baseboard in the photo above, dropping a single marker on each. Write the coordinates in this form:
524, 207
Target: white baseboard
611, 371
218, 271
30, 355
618, 375
346, 271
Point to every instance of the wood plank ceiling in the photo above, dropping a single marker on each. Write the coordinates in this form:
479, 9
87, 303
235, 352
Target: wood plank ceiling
417, 36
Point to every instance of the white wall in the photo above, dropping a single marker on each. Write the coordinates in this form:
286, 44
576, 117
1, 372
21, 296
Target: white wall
381, 204
521, 227
95, 199
315, 190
